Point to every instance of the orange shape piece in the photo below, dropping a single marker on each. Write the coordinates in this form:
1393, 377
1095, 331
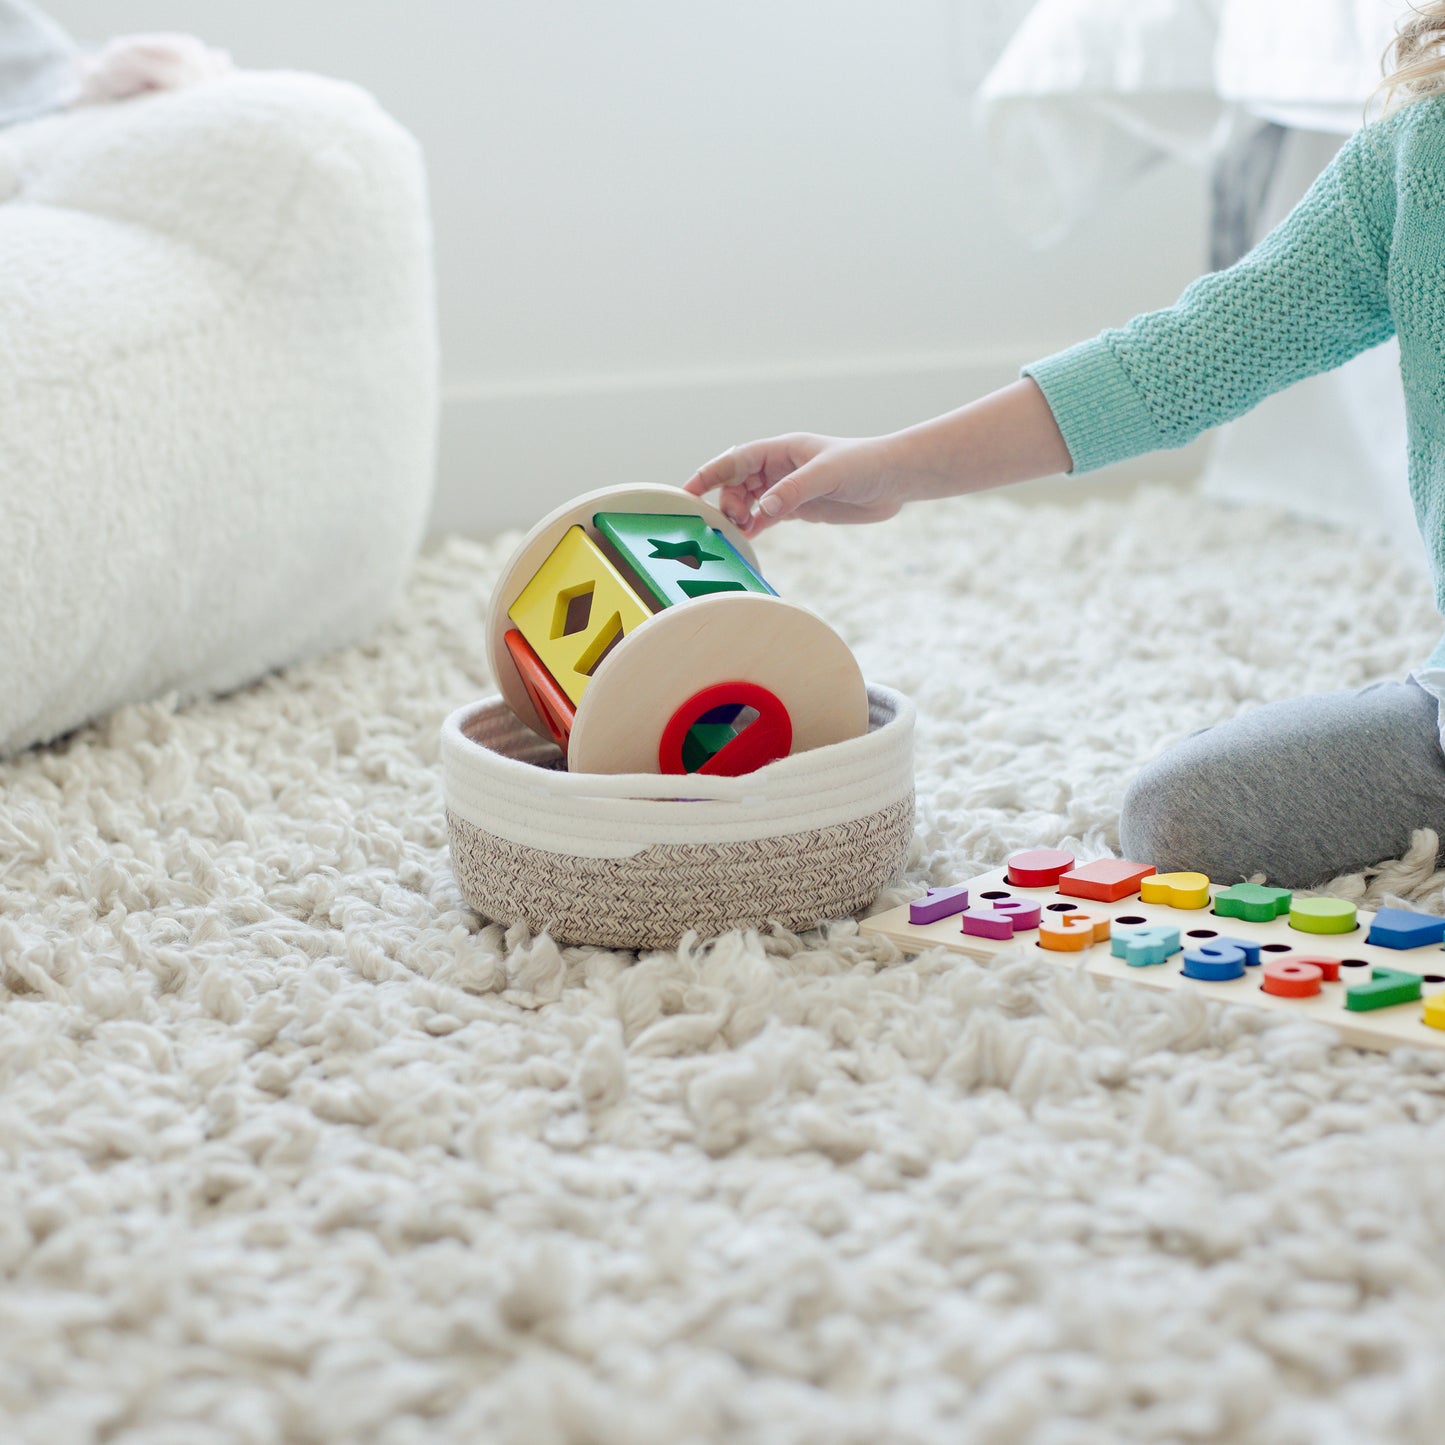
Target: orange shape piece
1072, 932
1106, 881
553, 705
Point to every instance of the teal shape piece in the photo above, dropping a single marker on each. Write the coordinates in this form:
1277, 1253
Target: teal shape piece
1143, 945
676, 558
1253, 902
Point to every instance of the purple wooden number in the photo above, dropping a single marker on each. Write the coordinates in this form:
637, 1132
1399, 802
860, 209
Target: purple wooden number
938, 903
1024, 912
1006, 917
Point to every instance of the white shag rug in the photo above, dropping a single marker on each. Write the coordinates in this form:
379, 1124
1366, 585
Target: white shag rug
297, 1150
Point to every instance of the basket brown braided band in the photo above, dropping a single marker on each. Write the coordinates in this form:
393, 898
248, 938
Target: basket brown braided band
652, 898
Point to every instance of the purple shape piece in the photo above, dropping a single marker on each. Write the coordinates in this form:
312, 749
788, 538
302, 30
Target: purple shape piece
989, 923
938, 903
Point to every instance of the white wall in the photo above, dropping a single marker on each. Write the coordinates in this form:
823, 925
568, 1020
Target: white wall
666, 227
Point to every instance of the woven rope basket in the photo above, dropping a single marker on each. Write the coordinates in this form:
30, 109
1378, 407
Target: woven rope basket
623, 862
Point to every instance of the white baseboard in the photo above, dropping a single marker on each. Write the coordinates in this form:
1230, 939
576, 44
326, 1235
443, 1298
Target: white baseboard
511, 451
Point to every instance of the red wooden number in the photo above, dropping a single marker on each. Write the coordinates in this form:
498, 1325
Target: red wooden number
1292, 978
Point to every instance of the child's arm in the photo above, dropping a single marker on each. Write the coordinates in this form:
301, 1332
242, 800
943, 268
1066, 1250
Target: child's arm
1309, 297
1009, 436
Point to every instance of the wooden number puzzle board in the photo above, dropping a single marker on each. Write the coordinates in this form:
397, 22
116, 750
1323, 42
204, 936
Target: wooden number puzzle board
1386, 1028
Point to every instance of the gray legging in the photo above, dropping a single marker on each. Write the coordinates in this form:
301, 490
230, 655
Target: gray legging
1300, 791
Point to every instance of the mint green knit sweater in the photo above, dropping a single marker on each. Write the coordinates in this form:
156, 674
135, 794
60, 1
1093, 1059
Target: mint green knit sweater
1362, 257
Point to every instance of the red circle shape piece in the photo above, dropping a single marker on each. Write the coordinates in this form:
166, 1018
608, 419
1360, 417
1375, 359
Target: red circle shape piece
766, 739
1039, 867
1292, 978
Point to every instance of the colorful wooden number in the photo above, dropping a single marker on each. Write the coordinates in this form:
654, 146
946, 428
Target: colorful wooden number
572, 611
1253, 902
1329, 967
1039, 867
1386, 988
675, 558
1247, 946
1214, 962
1331, 977
1322, 915
1176, 890
1001, 918
1106, 881
938, 903
1401, 928
1291, 978
1143, 944
1072, 932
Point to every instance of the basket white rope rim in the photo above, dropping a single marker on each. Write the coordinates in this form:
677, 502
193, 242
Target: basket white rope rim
501, 777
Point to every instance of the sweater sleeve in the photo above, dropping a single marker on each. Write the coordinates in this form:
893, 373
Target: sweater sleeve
1310, 296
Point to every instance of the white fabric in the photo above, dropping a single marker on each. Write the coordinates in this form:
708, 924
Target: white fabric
1089, 92
1308, 64
296, 1150
616, 817
38, 71
217, 390
1092, 92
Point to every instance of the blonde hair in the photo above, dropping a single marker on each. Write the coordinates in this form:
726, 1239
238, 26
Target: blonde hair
1415, 62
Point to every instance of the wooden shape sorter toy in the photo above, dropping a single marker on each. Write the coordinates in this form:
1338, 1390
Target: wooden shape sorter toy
1379, 978
635, 629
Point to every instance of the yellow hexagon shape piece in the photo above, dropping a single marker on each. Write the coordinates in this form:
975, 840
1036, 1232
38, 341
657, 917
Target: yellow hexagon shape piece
1177, 890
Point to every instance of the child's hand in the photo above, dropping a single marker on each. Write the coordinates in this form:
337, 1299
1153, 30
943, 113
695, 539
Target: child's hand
820, 479
1008, 436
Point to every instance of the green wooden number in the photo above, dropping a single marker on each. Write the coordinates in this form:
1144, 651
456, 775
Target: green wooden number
1386, 988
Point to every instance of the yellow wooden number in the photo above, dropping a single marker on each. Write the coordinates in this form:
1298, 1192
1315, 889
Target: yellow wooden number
574, 609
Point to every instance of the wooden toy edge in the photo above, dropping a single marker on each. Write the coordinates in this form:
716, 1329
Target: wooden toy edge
670, 635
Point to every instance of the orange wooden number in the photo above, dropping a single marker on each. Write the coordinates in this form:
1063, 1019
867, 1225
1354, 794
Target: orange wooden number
1072, 932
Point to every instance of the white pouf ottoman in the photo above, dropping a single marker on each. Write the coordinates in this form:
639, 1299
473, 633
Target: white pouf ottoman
218, 390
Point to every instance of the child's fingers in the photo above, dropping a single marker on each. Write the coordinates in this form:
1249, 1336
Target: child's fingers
754, 464
730, 469
806, 484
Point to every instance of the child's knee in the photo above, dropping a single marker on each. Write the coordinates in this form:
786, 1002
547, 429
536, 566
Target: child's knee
1199, 808
1158, 822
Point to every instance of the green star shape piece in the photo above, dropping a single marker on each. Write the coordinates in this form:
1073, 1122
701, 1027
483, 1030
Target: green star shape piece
688, 553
